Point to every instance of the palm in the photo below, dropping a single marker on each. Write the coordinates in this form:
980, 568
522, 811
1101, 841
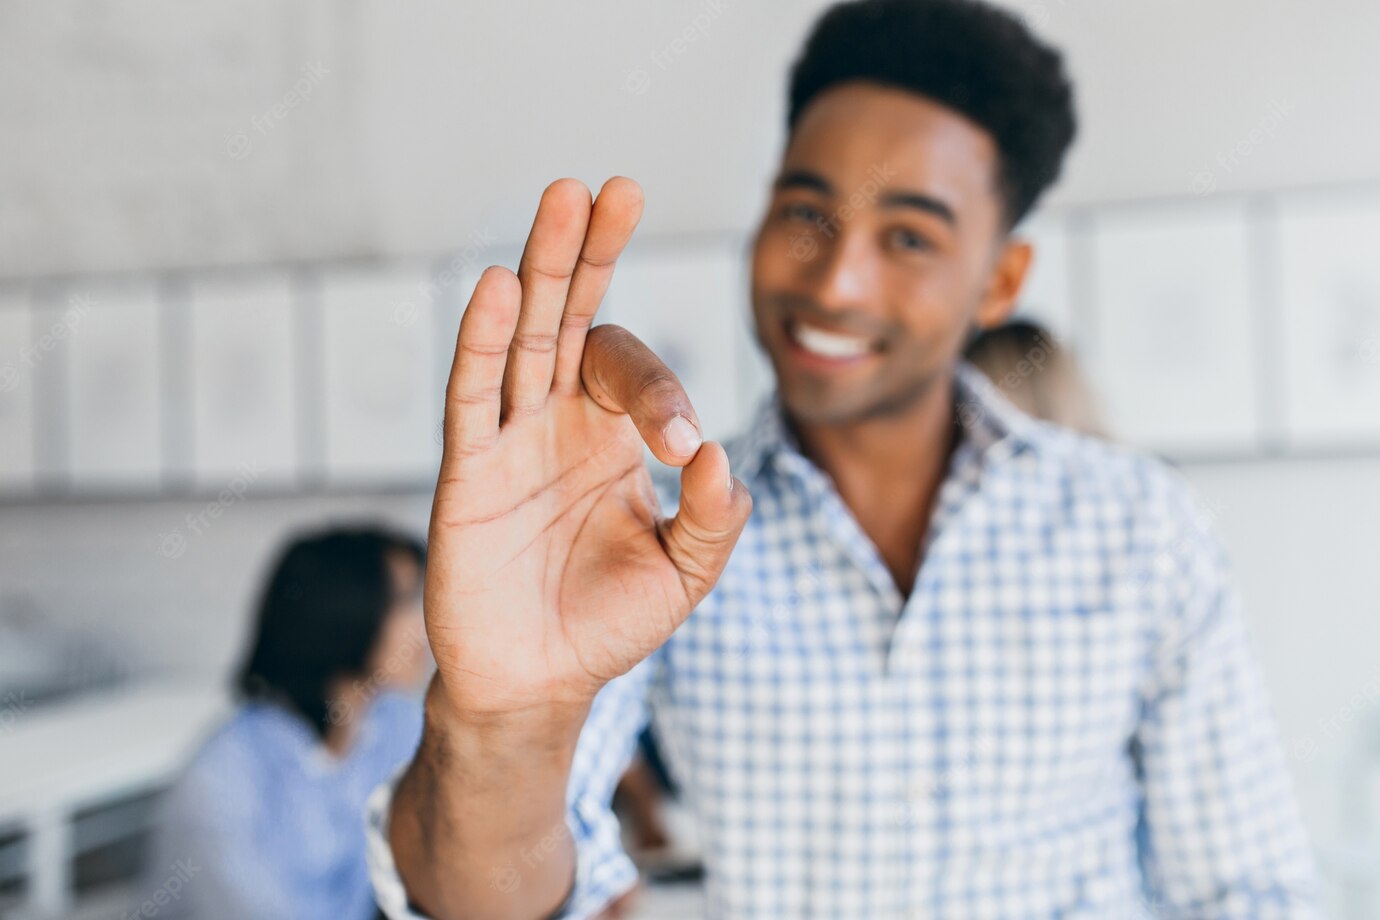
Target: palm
557, 526
551, 571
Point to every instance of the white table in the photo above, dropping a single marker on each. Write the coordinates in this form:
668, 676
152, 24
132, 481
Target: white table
61, 757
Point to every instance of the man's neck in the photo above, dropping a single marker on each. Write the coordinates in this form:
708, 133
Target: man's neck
888, 470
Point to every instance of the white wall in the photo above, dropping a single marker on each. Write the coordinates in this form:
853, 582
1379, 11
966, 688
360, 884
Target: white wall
123, 125
1303, 536
180, 610
121, 129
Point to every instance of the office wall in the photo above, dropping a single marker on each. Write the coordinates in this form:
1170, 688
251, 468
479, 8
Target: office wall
1303, 536
168, 135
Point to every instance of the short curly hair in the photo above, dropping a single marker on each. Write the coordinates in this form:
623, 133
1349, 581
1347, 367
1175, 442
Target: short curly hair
967, 55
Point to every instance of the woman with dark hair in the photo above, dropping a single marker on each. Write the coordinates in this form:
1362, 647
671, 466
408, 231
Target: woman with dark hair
270, 812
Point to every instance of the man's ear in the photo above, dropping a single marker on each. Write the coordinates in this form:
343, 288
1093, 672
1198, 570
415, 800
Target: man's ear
1008, 277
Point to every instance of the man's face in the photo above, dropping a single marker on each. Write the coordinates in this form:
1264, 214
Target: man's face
883, 245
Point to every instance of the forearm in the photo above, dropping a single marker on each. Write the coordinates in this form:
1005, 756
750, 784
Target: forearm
478, 824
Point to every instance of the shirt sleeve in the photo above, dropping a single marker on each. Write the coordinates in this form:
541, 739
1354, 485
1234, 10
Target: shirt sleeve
603, 870
1220, 833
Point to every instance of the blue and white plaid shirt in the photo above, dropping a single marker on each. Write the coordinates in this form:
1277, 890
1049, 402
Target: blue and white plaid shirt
1062, 720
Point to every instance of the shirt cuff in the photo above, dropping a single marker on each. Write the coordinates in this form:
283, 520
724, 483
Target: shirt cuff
383, 871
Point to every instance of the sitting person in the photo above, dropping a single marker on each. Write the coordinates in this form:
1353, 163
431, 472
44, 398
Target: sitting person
1032, 369
270, 812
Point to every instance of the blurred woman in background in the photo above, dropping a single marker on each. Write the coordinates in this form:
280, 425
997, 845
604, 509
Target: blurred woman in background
1035, 371
270, 812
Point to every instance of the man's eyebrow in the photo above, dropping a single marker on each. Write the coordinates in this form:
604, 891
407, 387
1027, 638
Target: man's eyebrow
803, 178
923, 202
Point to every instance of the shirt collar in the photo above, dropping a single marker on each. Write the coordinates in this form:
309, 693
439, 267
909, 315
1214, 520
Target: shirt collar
990, 424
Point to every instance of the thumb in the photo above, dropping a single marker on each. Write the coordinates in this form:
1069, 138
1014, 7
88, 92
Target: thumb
713, 509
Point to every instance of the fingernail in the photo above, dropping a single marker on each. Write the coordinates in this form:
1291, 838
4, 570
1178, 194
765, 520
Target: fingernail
681, 437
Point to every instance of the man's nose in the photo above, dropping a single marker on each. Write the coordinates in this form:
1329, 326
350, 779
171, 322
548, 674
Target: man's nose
843, 272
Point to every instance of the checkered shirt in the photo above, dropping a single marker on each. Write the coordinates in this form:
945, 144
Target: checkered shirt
1063, 719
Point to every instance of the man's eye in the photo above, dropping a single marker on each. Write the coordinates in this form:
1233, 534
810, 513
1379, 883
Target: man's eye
802, 212
901, 238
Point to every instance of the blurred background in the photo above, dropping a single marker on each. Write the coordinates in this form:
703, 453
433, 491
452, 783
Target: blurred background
236, 240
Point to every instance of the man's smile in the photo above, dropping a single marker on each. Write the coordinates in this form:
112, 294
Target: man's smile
821, 346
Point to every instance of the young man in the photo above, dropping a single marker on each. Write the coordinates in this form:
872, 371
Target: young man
960, 663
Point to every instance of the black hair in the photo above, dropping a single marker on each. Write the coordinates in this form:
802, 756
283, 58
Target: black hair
1023, 335
974, 58
320, 616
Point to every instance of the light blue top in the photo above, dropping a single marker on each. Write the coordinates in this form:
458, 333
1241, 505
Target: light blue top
267, 823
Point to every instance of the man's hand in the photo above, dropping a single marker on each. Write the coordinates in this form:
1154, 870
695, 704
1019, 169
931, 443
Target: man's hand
549, 569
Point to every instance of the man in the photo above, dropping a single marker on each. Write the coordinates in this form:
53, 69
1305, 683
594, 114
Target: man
960, 664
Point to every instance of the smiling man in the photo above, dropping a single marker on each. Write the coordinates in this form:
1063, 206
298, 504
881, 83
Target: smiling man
945, 660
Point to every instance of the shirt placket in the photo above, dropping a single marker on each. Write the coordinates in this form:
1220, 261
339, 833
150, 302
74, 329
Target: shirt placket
917, 666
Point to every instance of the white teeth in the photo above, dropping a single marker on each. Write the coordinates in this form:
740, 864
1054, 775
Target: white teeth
830, 344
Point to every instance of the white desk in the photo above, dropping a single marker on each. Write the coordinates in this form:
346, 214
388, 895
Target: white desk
59, 758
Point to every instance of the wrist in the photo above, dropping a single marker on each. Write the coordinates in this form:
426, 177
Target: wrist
552, 728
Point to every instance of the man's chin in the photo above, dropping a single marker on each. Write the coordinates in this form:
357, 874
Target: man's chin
811, 406
833, 406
